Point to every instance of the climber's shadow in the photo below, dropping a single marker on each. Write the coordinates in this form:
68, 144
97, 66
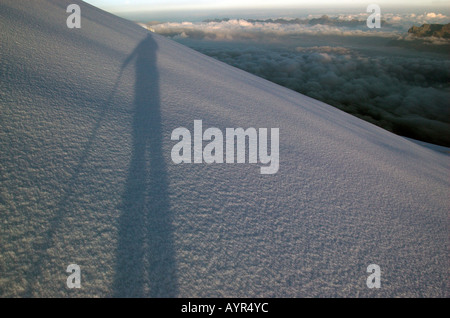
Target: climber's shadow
145, 253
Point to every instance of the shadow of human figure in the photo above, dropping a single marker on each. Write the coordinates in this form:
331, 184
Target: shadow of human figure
145, 252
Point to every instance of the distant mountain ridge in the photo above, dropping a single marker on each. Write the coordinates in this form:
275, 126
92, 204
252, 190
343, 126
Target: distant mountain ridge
435, 30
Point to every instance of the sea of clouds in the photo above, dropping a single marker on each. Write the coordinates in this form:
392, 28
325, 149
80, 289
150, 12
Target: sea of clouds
384, 76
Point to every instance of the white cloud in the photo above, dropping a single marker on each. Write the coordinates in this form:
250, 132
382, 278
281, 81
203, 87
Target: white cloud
242, 29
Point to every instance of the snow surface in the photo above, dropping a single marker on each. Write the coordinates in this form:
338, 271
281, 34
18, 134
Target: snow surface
87, 178
442, 149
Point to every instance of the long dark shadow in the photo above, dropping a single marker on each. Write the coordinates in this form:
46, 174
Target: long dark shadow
145, 264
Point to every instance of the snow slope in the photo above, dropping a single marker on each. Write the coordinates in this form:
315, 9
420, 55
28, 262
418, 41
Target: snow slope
87, 177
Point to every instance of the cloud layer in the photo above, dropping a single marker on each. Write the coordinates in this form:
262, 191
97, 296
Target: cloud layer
361, 71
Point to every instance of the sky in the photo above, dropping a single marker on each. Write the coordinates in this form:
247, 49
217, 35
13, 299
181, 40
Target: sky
168, 5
